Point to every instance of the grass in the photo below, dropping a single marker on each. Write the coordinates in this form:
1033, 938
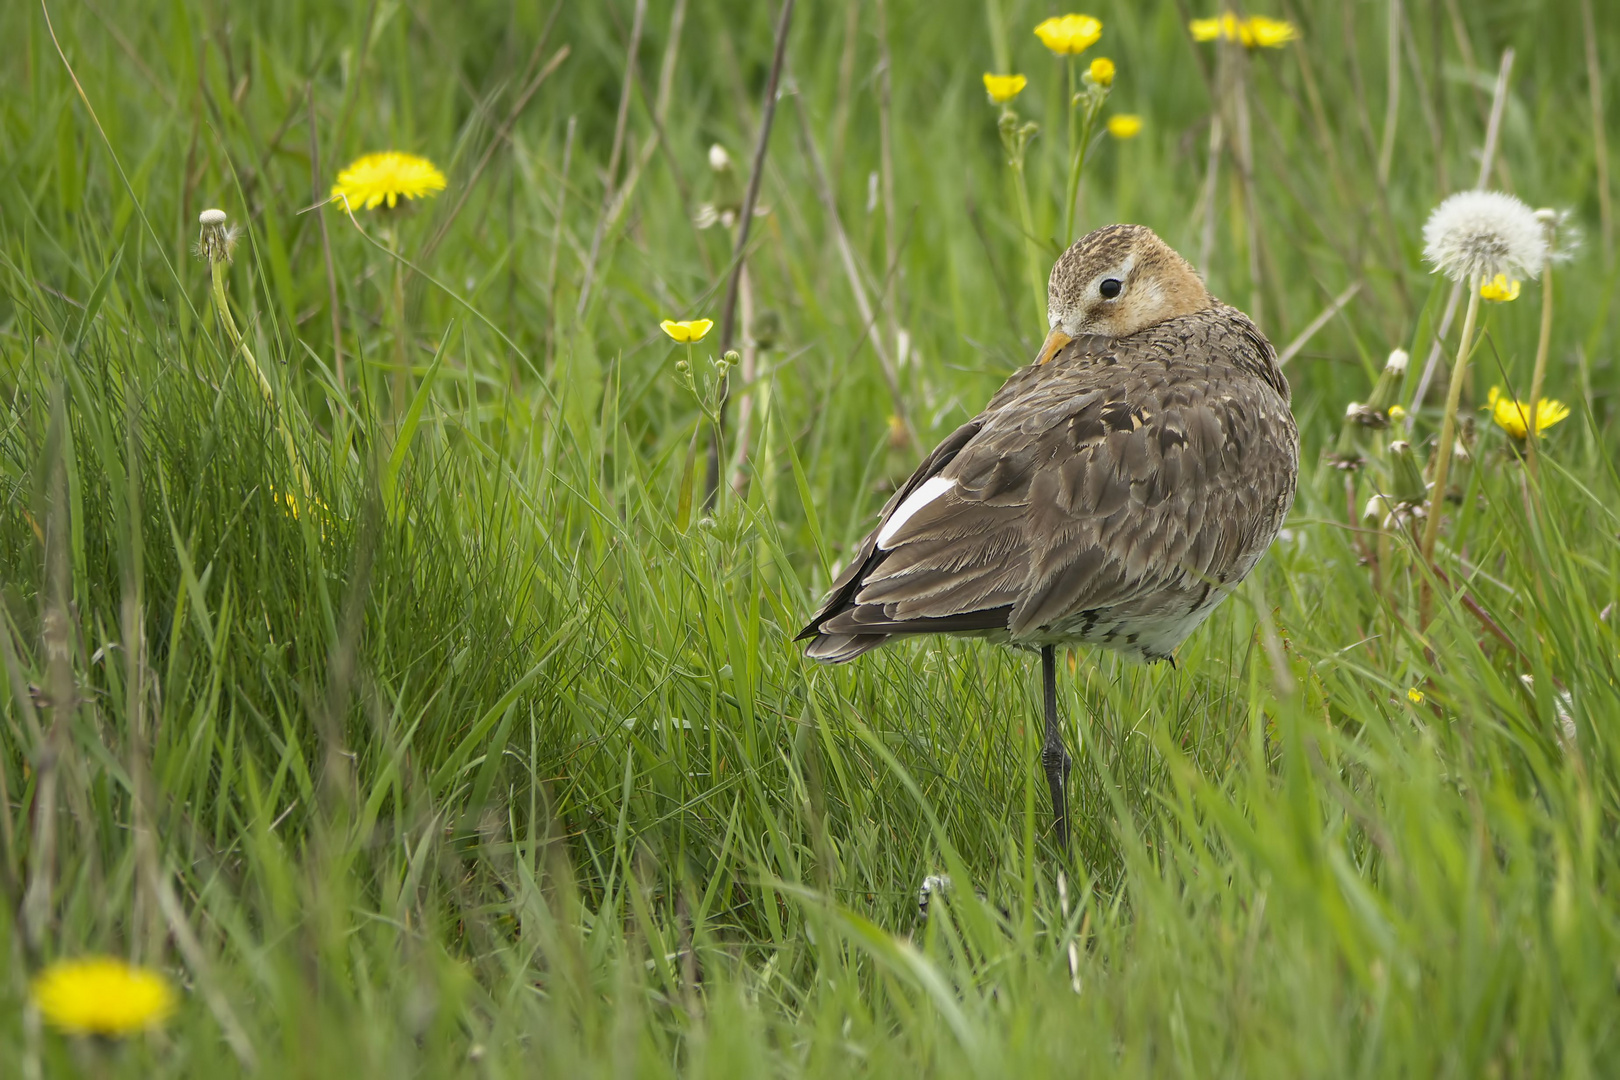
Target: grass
473, 763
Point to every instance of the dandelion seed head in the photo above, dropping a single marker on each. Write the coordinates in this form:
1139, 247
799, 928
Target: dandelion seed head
1563, 239
1479, 234
218, 240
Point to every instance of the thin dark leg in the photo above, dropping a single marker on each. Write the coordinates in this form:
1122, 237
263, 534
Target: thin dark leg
1054, 758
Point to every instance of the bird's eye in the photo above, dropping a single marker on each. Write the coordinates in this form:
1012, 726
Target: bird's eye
1110, 288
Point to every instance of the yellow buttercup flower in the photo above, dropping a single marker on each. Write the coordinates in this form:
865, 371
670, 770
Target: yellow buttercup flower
1396, 414
1414, 695
1101, 71
1513, 415
1257, 31
98, 995
1069, 35
1125, 126
1003, 88
1499, 289
687, 332
385, 178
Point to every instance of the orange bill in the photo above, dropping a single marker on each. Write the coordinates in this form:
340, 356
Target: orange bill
1054, 342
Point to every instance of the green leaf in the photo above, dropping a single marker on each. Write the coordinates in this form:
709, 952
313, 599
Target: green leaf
407, 430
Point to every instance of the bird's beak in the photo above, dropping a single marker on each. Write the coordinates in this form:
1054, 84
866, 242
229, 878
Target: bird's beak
1054, 341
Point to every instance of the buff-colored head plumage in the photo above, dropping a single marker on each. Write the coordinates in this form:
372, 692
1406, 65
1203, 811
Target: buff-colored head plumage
1121, 279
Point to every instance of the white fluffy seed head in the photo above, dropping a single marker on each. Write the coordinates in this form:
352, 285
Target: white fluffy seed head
1479, 234
1396, 364
1563, 238
211, 217
719, 160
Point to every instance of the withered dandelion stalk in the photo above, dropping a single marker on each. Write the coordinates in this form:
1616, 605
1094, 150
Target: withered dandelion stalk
216, 243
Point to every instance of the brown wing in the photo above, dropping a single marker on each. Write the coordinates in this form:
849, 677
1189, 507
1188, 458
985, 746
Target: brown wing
1110, 476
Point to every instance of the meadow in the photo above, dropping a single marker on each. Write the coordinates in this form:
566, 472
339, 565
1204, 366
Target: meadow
401, 699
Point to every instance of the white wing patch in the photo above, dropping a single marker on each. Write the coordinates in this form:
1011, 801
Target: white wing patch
926, 492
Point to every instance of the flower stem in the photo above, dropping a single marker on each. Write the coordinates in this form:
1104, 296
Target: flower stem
1442, 453
1075, 154
1538, 377
1032, 252
217, 271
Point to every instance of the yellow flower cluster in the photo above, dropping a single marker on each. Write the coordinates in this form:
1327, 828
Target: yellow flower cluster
1069, 35
1256, 31
386, 178
687, 332
1513, 415
1499, 289
1003, 88
99, 995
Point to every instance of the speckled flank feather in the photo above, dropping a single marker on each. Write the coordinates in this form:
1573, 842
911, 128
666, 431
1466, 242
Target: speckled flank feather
1112, 496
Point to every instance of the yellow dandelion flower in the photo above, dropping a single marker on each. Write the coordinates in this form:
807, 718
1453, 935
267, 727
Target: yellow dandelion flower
1101, 71
1069, 35
1414, 695
1125, 126
99, 995
1513, 415
1254, 32
1499, 289
687, 332
386, 177
1003, 88
1267, 33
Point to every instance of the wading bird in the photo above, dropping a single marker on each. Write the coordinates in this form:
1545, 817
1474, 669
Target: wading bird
1112, 492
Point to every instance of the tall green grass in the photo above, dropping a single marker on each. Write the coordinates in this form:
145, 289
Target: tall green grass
475, 764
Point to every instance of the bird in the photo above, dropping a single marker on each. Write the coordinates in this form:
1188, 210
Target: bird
1111, 494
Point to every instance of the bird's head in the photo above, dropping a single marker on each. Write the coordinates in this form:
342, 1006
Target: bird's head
1115, 281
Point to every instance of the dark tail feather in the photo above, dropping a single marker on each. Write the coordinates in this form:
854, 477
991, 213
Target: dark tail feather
840, 648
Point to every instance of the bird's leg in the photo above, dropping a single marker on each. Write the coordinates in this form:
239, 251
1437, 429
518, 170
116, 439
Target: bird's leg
1054, 757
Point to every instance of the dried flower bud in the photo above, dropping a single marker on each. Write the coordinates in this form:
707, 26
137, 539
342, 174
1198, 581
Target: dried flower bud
1406, 479
1396, 364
